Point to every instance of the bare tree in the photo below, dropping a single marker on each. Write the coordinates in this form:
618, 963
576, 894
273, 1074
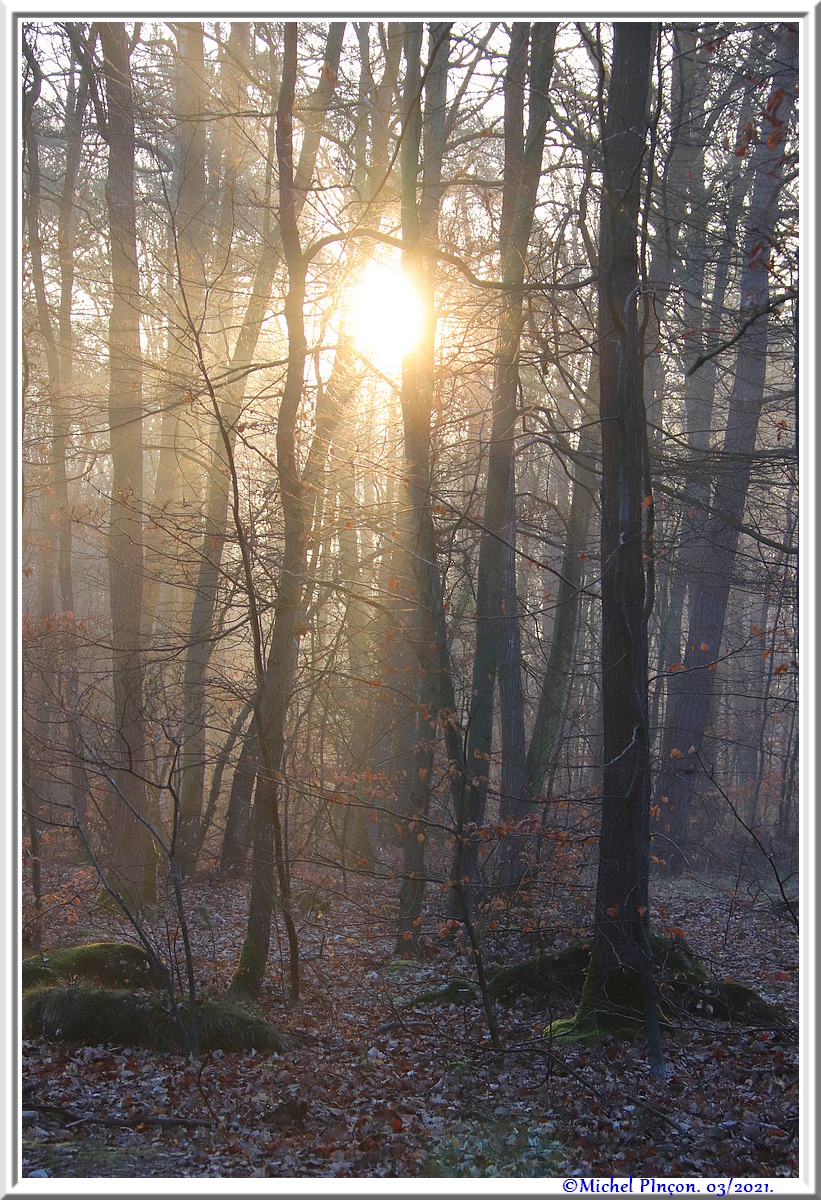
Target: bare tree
134, 876
619, 980
689, 715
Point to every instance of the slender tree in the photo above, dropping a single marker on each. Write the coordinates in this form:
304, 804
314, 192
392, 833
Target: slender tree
134, 876
530, 62
691, 706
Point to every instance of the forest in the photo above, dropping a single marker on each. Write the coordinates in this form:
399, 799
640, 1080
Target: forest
409, 750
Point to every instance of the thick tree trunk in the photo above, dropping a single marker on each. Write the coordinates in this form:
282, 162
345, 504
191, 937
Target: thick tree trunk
687, 259
277, 676
416, 409
619, 980
179, 483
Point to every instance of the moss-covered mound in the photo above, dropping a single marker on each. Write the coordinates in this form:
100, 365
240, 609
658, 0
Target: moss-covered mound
112, 964
91, 1016
563, 972
733, 1001
685, 989
458, 991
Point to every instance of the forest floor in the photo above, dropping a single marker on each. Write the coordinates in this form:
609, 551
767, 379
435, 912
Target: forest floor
382, 1087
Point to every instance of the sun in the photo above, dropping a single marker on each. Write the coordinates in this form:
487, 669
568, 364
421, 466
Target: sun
385, 316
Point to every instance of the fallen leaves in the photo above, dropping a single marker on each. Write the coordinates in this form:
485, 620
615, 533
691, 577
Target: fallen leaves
380, 1089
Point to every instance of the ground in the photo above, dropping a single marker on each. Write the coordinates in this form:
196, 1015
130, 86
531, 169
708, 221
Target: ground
380, 1087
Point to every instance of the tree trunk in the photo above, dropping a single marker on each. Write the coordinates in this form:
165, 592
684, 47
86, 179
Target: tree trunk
550, 716
218, 491
134, 875
497, 624
689, 715
417, 384
276, 678
178, 485
619, 980
57, 704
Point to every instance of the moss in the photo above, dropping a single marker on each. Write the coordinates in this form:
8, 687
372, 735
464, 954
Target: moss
119, 964
733, 1001
308, 902
673, 958
587, 1028
91, 1016
398, 966
615, 1006
250, 972
226, 1025
95, 1159
563, 971
611, 1000
458, 991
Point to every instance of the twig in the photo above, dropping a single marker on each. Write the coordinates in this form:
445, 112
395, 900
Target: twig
133, 1122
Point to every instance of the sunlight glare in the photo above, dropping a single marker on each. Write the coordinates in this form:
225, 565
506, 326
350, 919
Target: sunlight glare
386, 316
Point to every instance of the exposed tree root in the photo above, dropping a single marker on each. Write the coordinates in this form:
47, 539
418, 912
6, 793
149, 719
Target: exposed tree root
684, 989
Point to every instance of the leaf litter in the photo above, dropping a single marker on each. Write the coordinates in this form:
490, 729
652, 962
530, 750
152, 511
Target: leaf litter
382, 1087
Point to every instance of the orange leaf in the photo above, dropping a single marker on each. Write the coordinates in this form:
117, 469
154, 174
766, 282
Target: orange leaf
396, 1124
647, 501
613, 910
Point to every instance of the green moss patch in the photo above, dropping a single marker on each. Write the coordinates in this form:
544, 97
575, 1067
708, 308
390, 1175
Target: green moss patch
91, 1016
458, 991
563, 971
113, 964
586, 1028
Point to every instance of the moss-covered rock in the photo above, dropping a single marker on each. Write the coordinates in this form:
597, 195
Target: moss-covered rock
91, 1016
114, 964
